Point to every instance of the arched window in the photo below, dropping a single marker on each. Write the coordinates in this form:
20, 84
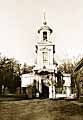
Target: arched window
45, 36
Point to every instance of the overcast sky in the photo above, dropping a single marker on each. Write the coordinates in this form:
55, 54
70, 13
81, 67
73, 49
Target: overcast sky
20, 20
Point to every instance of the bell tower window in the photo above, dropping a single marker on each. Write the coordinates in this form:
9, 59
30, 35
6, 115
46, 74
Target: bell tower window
45, 57
44, 36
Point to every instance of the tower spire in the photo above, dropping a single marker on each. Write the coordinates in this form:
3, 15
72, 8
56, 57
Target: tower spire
44, 17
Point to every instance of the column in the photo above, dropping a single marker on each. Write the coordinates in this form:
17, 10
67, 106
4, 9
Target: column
68, 91
50, 91
40, 85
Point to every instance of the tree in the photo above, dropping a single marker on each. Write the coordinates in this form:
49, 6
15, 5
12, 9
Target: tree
9, 73
66, 67
27, 69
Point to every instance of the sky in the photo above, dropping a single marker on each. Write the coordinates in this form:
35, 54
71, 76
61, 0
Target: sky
21, 19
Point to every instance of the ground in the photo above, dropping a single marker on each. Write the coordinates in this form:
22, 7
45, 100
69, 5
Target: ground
44, 109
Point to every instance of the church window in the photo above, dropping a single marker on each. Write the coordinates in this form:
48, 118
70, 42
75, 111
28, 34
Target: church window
53, 48
45, 36
45, 57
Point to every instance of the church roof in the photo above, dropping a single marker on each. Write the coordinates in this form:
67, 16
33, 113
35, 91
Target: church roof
45, 27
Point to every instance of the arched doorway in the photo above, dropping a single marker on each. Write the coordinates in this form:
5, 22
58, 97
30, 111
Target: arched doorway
45, 90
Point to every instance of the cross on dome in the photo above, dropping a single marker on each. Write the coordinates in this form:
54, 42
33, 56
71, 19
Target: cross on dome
44, 17
45, 27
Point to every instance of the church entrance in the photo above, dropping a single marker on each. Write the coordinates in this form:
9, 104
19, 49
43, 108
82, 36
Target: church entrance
45, 90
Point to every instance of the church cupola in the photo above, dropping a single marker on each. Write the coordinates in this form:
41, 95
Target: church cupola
45, 31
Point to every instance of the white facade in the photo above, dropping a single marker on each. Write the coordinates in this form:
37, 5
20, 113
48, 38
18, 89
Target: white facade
67, 84
67, 79
45, 54
26, 80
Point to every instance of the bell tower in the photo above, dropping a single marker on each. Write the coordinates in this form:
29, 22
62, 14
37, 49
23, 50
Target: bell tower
45, 68
45, 48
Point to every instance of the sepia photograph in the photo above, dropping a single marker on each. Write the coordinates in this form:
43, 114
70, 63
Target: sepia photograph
41, 60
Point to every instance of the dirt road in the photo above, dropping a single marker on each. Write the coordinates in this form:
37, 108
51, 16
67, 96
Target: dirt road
40, 110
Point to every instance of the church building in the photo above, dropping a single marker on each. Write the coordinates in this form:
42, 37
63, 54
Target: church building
46, 67
45, 81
